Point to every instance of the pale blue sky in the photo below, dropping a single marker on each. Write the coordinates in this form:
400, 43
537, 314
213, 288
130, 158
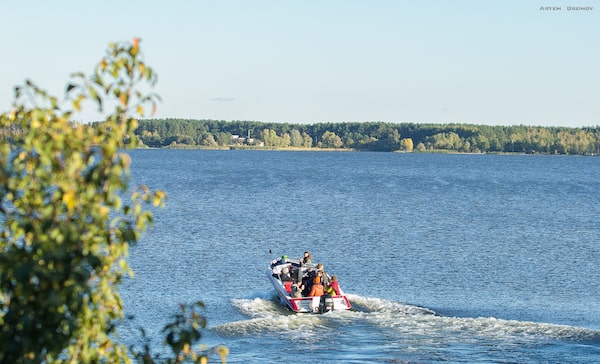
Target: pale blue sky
477, 62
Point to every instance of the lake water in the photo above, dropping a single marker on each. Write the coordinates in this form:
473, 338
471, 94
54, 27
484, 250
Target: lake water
446, 258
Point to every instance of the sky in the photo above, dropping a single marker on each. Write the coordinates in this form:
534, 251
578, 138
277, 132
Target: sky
504, 62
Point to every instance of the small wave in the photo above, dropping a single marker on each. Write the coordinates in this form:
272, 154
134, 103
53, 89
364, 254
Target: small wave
259, 305
494, 327
378, 305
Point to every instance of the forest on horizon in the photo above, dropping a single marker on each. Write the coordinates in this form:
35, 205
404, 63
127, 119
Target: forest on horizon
369, 136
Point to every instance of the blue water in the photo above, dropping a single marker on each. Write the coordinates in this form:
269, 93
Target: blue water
447, 258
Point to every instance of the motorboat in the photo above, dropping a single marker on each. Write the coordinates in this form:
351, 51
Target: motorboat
282, 276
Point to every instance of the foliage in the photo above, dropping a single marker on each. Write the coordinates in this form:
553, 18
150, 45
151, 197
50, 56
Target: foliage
65, 227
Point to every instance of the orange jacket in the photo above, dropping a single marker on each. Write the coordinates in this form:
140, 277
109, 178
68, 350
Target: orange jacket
316, 290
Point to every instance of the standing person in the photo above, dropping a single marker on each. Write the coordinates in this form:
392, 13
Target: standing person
306, 261
304, 264
325, 279
308, 280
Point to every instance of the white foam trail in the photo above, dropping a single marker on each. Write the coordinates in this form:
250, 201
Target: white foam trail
267, 315
414, 319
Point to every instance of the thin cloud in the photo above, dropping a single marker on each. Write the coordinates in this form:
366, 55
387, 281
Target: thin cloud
222, 99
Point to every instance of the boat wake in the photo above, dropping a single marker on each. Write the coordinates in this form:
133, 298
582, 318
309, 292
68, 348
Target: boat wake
266, 315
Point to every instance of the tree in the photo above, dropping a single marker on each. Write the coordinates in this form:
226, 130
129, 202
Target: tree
209, 141
65, 229
224, 139
407, 144
307, 141
295, 138
270, 138
389, 138
285, 140
331, 140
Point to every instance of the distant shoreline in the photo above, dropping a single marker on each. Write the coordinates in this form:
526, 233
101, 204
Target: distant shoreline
344, 150
369, 136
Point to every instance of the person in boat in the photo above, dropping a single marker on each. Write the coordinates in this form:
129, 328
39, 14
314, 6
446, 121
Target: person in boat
285, 275
283, 260
306, 261
308, 280
334, 287
296, 272
297, 289
325, 278
317, 288
301, 267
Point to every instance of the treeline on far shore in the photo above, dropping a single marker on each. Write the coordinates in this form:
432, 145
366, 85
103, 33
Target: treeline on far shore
369, 136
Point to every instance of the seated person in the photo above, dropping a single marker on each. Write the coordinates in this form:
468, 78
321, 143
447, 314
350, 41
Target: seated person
297, 289
285, 275
288, 286
317, 288
278, 269
334, 287
283, 260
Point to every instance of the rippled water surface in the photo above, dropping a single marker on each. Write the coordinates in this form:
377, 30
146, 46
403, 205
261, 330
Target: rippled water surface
460, 258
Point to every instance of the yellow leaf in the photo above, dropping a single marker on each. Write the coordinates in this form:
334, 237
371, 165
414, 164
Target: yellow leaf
68, 199
159, 197
103, 210
77, 104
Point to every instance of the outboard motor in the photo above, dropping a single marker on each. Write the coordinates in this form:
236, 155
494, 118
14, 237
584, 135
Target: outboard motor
326, 303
